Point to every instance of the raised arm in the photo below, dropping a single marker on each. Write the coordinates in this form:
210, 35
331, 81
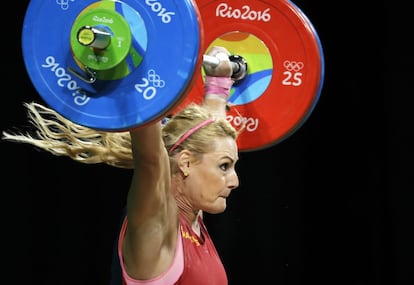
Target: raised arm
150, 240
218, 82
149, 243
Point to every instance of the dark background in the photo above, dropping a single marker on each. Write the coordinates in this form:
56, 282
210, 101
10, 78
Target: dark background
329, 205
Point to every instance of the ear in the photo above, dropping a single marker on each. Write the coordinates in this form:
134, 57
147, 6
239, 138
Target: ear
183, 160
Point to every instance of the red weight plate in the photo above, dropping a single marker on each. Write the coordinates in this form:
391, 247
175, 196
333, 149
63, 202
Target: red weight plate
285, 66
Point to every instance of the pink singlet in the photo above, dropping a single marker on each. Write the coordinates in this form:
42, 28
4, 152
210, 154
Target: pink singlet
196, 260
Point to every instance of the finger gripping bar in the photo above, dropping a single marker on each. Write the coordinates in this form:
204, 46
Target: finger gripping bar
238, 64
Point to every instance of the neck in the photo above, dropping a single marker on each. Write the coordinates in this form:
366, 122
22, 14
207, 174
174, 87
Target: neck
192, 218
189, 213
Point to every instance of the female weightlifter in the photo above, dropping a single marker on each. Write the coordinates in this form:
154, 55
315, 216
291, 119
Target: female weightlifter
180, 170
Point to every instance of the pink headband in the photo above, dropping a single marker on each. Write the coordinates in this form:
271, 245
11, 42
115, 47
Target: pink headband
190, 132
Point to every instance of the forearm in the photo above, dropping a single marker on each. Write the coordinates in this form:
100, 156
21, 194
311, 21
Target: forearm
215, 104
147, 144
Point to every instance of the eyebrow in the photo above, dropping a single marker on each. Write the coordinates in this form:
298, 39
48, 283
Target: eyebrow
231, 158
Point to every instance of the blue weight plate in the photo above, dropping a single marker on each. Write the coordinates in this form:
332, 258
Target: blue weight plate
165, 34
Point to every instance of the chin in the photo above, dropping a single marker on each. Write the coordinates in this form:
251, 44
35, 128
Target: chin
218, 207
218, 210
215, 211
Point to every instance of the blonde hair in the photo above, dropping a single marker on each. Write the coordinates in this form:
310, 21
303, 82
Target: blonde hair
200, 140
62, 137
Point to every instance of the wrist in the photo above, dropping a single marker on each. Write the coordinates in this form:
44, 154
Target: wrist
219, 86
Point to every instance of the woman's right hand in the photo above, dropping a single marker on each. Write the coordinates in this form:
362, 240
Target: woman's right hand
224, 69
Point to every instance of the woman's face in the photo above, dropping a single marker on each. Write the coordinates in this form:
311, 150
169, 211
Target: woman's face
211, 179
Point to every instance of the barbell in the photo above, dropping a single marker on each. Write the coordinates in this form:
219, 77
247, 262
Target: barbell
115, 65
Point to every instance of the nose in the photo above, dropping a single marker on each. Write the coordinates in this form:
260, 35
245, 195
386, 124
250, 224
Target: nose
233, 181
